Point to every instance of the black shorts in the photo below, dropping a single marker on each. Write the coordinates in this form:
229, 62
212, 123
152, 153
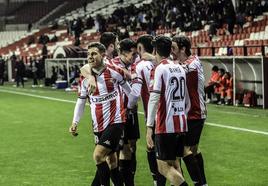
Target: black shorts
169, 146
132, 131
194, 131
111, 137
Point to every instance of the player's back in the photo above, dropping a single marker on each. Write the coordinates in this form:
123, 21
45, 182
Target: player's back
142, 76
171, 83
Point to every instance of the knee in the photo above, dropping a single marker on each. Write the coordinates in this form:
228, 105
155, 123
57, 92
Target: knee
98, 157
125, 153
161, 168
112, 161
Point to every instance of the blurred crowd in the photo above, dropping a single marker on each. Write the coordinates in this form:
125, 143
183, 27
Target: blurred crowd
188, 15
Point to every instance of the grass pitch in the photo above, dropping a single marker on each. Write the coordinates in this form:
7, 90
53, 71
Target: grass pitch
36, 148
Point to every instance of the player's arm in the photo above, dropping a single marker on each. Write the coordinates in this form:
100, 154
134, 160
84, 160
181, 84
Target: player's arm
119, 76
86, 71
187, 101
152, 105
135, 89
79, 109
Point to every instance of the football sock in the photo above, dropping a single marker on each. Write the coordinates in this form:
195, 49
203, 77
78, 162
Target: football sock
200, 162
96, 180
159, 179
193, 169
104, 173
133, 162
116, 177
126, 172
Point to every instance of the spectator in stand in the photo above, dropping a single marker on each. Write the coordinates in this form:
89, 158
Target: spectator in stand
89, 22
44, 51
2, 70
54, 39
240, 19
20, 70
230, 16
30, 25
209, 89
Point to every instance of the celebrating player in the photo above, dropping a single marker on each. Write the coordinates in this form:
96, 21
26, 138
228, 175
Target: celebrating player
167, 102
181, 50
140, 87
107, 112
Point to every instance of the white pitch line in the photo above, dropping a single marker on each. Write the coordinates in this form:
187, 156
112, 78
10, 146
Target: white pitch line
236, 128
142, 113
37, 96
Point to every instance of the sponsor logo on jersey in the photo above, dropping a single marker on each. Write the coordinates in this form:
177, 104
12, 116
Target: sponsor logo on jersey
104, 98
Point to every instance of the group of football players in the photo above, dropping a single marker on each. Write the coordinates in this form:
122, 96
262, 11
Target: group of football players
170, 81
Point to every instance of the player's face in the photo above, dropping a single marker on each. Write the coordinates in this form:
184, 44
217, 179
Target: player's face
129, 57
174, 50
94, 57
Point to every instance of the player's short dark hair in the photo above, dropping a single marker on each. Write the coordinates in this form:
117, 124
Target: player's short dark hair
97, 45
215, 68
146, 41
183, 41
107, 38
126, 45
222, 70
162, 45
228, 74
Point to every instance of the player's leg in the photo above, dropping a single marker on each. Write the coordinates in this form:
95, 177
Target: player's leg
127, 158
107, 146
133, 137
116, 177
96, 180
125, 165
99, 155
166, 152
167, 168
193, 135
159, 179
192, 166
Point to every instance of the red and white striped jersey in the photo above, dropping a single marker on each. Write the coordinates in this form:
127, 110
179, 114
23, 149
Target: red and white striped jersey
195, 84
106, 102
169, 80
119, 63
141, 82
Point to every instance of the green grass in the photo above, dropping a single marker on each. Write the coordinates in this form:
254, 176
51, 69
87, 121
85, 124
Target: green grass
36, 148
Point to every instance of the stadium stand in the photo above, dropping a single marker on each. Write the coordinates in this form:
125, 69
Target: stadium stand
248, 37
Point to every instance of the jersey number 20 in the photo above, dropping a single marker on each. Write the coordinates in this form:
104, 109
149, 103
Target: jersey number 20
178, 92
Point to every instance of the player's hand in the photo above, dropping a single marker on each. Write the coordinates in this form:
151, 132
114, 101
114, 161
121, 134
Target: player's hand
91, 84
127, 75
73, 129
149, 139
86, 72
